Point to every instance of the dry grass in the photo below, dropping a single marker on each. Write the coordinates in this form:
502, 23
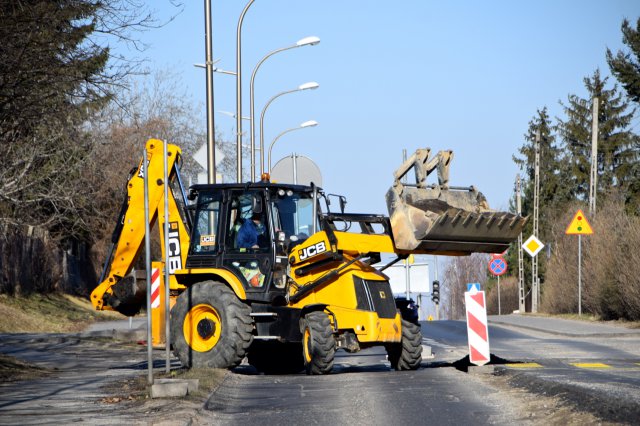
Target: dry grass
610, 267
13, 369
48, 314
508, 295
137, 388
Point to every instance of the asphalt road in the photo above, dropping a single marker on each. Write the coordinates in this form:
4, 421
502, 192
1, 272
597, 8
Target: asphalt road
361, 391
548, 371
590, 368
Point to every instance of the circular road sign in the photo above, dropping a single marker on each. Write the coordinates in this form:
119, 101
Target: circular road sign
498, 266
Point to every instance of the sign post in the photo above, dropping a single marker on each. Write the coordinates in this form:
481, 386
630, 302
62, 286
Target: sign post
533, 246
497, 267
579, 226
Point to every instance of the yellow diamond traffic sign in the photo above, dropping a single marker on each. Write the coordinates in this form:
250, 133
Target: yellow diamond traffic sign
532, 246
579, 225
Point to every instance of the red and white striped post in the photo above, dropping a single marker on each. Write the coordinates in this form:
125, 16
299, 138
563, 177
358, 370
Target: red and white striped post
155, 288
157, 306
477, 329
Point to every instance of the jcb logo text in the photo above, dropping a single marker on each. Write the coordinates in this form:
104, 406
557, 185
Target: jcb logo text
175, 260
313, 250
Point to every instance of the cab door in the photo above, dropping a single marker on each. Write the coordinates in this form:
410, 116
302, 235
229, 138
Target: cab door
252, 262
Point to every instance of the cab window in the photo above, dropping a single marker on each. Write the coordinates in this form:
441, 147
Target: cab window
293, 214
205, 233
247, 223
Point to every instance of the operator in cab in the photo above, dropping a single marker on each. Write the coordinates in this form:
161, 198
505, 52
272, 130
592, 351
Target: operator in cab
251, 232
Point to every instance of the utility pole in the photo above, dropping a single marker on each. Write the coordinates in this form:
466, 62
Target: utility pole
593, 186
521, 304
535, 283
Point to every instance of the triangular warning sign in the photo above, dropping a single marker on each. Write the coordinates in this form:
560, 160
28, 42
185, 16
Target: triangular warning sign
579, 225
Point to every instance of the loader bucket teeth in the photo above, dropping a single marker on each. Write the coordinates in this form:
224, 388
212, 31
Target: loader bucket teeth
445, 220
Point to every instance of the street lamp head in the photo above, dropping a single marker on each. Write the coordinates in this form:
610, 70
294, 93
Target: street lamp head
308, 41
310, 123
310, 85
221, 71
231, 114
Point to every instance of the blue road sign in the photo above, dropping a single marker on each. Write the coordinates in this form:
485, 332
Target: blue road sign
497, 266
473, 287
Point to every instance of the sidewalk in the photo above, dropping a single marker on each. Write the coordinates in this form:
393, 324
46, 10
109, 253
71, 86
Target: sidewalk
563, 327
132, 329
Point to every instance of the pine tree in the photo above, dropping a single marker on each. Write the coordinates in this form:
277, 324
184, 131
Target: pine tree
54, 75
553, 189
625, 66
617, 145
48, 69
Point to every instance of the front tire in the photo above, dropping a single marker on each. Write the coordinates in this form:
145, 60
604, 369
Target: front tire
318, 343
210, 327
406, 355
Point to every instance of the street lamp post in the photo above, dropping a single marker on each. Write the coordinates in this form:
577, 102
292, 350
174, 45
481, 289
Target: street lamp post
306, 86
307, 41
211, 151
239, 91
310, 123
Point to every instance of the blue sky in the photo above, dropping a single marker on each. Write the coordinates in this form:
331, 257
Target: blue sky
460, 75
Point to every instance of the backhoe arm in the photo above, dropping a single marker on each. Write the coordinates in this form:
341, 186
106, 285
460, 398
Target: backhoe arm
119, 289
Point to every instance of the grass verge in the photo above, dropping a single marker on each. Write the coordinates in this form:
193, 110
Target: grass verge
137, 388
54, 313
12, 369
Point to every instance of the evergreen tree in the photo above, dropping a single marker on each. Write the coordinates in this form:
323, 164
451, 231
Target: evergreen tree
625, 66
54, 75
553, 190
617, 145
47, 69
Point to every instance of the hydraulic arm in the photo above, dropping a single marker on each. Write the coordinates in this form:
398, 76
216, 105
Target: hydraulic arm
119, 289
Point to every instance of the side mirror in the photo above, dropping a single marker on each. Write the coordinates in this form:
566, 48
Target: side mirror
343, 203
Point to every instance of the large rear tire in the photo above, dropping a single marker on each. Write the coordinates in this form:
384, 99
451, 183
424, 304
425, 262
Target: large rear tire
276, 357
406, 355
318, 343
210, 327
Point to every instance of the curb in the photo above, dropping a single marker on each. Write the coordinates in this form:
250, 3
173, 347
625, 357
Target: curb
133, 335
564, 334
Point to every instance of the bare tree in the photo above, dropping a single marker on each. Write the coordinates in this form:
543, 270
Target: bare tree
459, 272
155, 107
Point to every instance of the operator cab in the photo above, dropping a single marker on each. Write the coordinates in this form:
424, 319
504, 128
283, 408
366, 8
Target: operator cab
249, 230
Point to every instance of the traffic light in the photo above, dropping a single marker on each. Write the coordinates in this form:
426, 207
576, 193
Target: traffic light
435, 292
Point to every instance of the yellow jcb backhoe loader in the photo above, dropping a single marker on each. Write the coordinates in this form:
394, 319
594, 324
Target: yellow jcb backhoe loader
307, 287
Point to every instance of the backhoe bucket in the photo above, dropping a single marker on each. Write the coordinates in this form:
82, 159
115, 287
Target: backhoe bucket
445, 220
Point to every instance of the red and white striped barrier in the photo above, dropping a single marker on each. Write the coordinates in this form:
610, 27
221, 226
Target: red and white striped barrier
477, 330
155, 288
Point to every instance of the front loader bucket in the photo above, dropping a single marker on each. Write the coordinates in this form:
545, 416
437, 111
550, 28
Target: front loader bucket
446, 220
